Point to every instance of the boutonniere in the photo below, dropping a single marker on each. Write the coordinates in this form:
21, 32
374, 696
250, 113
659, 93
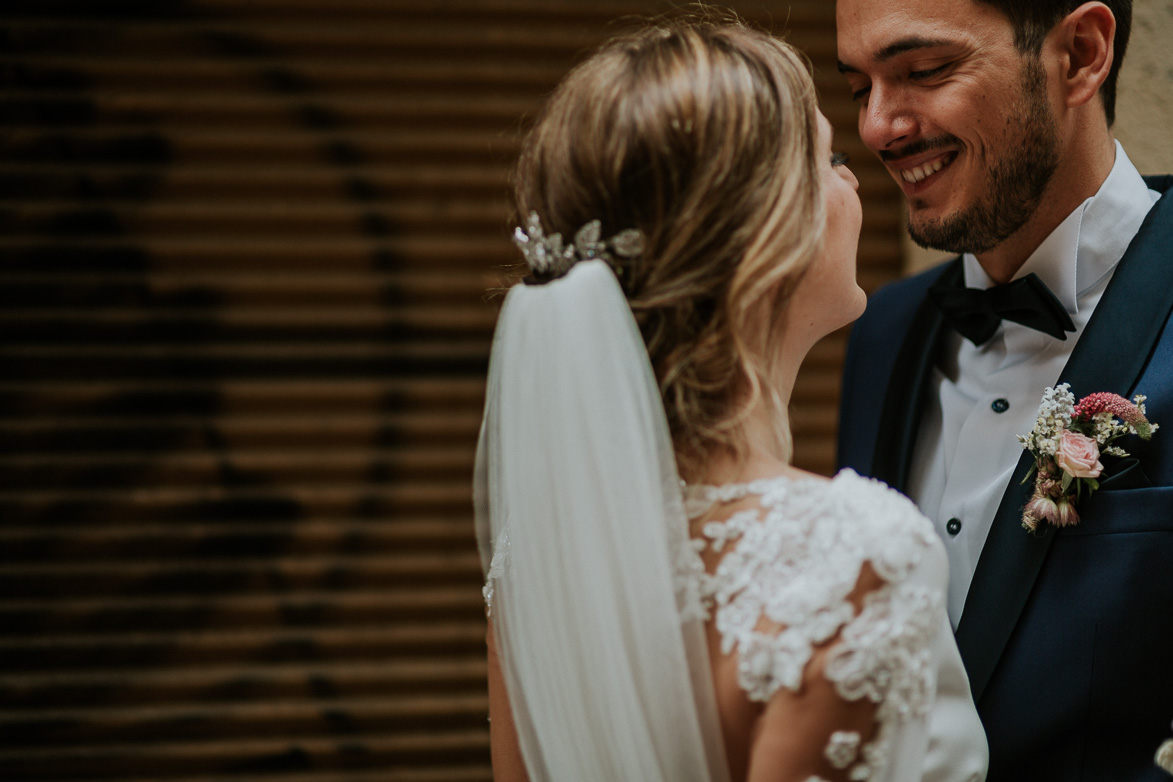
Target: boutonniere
1067, 441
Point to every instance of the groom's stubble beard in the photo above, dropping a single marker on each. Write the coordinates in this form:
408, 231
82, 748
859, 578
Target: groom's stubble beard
1015, 181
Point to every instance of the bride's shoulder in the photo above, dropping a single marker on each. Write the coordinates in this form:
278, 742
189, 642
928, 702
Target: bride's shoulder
813, 514
854, 487
847, 494
875, 511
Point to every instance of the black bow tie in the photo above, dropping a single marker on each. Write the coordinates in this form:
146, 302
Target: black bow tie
976, 313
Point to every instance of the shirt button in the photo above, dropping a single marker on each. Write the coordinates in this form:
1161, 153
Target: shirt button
953, 526
1000, 405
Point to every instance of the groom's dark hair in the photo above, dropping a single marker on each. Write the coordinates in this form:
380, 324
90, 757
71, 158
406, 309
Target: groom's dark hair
1033, 19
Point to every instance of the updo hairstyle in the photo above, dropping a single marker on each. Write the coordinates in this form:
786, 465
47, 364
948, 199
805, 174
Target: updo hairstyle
702, 135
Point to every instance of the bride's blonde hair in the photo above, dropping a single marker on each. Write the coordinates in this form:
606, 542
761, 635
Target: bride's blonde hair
701, 134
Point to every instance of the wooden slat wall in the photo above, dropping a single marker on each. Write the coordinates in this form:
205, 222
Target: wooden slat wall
243, 252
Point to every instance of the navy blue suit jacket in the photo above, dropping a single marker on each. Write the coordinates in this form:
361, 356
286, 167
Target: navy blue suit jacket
1067, 636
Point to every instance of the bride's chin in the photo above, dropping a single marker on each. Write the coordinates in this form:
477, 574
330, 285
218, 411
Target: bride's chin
854, 302
859, 304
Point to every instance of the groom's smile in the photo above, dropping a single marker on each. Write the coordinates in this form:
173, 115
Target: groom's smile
919, 166
918, 174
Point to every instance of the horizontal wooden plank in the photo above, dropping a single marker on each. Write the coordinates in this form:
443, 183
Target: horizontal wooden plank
56, 255
407, 757
517, 11
390, 293
454, 37
341, 607
61, 73
343, 150
148, 433
146, 540
396, 107
149, 503
805, 12
204, 322
210, 577
438, 714
30, 183
274, 218
436, 109
246, 361
243, 683
433, 36
380, 771
186, 396
167, 650
166, 466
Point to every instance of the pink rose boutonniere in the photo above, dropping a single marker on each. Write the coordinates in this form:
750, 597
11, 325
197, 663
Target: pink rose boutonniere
1067, 441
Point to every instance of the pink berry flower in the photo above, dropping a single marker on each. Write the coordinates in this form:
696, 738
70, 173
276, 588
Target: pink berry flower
1103, 402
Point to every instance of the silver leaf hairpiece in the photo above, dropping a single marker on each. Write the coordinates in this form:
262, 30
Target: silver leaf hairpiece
546, 254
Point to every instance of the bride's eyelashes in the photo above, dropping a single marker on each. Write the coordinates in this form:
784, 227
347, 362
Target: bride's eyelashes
839, 159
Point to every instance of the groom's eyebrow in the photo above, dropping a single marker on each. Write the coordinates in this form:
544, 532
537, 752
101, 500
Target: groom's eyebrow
898, 47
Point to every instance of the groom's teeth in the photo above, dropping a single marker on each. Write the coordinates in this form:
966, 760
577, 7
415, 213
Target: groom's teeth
919, 173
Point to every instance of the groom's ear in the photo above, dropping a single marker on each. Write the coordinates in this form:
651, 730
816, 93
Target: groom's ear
1083, 43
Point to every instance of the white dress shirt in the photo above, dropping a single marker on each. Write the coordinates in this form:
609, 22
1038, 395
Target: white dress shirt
982, 397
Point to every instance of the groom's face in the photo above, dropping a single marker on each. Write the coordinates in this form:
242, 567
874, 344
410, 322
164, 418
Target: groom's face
961, 119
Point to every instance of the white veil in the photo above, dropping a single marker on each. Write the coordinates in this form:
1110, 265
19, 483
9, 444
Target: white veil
581, 527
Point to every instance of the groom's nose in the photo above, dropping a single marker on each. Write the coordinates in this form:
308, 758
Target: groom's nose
886, 120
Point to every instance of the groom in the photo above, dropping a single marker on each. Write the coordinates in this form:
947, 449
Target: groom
995, 117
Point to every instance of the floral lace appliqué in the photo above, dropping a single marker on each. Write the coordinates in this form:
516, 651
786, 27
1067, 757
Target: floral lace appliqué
781, 587
842, 749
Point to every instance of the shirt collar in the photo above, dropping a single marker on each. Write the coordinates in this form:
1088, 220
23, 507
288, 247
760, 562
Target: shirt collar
1095, 234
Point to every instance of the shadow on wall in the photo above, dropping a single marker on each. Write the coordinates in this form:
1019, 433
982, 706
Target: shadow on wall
130, 516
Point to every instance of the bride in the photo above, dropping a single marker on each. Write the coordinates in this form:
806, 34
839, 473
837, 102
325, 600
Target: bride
668, 598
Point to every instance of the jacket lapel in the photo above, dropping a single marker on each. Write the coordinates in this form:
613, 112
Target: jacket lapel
1110, 356
905, 398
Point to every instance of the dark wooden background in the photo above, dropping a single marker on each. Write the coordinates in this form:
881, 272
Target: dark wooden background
244, 246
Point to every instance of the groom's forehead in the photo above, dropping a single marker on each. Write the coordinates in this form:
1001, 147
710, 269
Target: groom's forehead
876, 31
922, 17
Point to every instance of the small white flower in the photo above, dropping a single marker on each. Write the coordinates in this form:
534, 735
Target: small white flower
1164, 757
842, 749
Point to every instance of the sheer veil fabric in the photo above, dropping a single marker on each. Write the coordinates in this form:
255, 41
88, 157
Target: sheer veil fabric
580, 524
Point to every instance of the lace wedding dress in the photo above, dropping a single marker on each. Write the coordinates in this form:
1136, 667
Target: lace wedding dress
793, 559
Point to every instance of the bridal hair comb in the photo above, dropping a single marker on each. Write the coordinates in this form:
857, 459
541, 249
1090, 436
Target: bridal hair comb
546, 255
